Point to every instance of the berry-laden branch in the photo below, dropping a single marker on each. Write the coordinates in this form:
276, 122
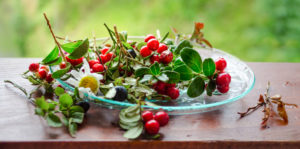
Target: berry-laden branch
54, 37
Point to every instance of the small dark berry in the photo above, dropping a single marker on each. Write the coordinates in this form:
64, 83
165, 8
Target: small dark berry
121, 93
132, 53
84, 105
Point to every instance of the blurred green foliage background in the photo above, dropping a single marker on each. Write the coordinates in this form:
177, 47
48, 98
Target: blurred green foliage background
253, 30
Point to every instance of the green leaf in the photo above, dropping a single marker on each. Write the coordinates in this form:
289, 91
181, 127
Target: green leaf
51, 106
211, 86
196, 88
178, 62
77, 117
59, 73
185, 72
111, 93
57, 61
65, 100
41, 103
39, 111
209, 67
164, 38
134, 132
163, 77
173, 76
155, 69
51, 56
123, 36
146, 78
181, 45
141, 44
142, 71
192, 59
58, 91
33, 80
53, 120
81, 50
71, 46
74, 109
72, 127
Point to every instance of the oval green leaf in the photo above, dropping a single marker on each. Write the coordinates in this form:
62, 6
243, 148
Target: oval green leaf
52, 56
192, 59
173, 76
142, 71
184, 72
155, 70
196, 88
59, 73
209, 67
181, 45
134, 132
53, 120
81, 50
71, 46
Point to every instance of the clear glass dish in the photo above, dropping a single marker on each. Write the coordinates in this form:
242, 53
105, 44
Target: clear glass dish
242, 82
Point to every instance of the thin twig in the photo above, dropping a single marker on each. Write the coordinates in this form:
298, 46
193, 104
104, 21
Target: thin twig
57, 43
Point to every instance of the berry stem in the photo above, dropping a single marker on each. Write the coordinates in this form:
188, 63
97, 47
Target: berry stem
54, 37
98, 55
134, 60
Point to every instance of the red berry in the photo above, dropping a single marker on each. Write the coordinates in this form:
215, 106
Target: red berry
170, 85
152, 127
221, 64
166, 57
62, 65
147, 116
154, 58
223, 88
148, 37
160, 87
109, 56
42, 73
45, 68
162, 47
104, 50
93, 62
145, 51
162, 118
199, 25
74, 62
103, 58
153, 44
49, 78
173, 92
98, 68
223, 79
34, 67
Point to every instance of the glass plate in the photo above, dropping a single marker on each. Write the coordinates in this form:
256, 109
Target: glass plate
242, 82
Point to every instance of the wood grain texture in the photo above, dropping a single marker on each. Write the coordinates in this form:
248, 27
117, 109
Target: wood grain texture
20, 128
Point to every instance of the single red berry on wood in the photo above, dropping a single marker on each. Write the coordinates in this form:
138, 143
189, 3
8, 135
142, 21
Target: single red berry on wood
104, 50
145, 51
223, 79
34, 67
154, 58
62, 65
148, 37
93, 62
162, 118
98, 68
162, 47
223, 88
166, 57
147, 116
152, 127
173, 92
221, 64
153, 44
49, 78
42, 73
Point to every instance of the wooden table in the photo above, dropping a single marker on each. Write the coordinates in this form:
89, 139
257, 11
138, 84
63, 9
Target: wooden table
20, 128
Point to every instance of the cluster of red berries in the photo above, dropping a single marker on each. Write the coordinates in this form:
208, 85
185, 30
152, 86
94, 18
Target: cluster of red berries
166, 89
41, 72
105, 57
162, 54
153, 122
223, 79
